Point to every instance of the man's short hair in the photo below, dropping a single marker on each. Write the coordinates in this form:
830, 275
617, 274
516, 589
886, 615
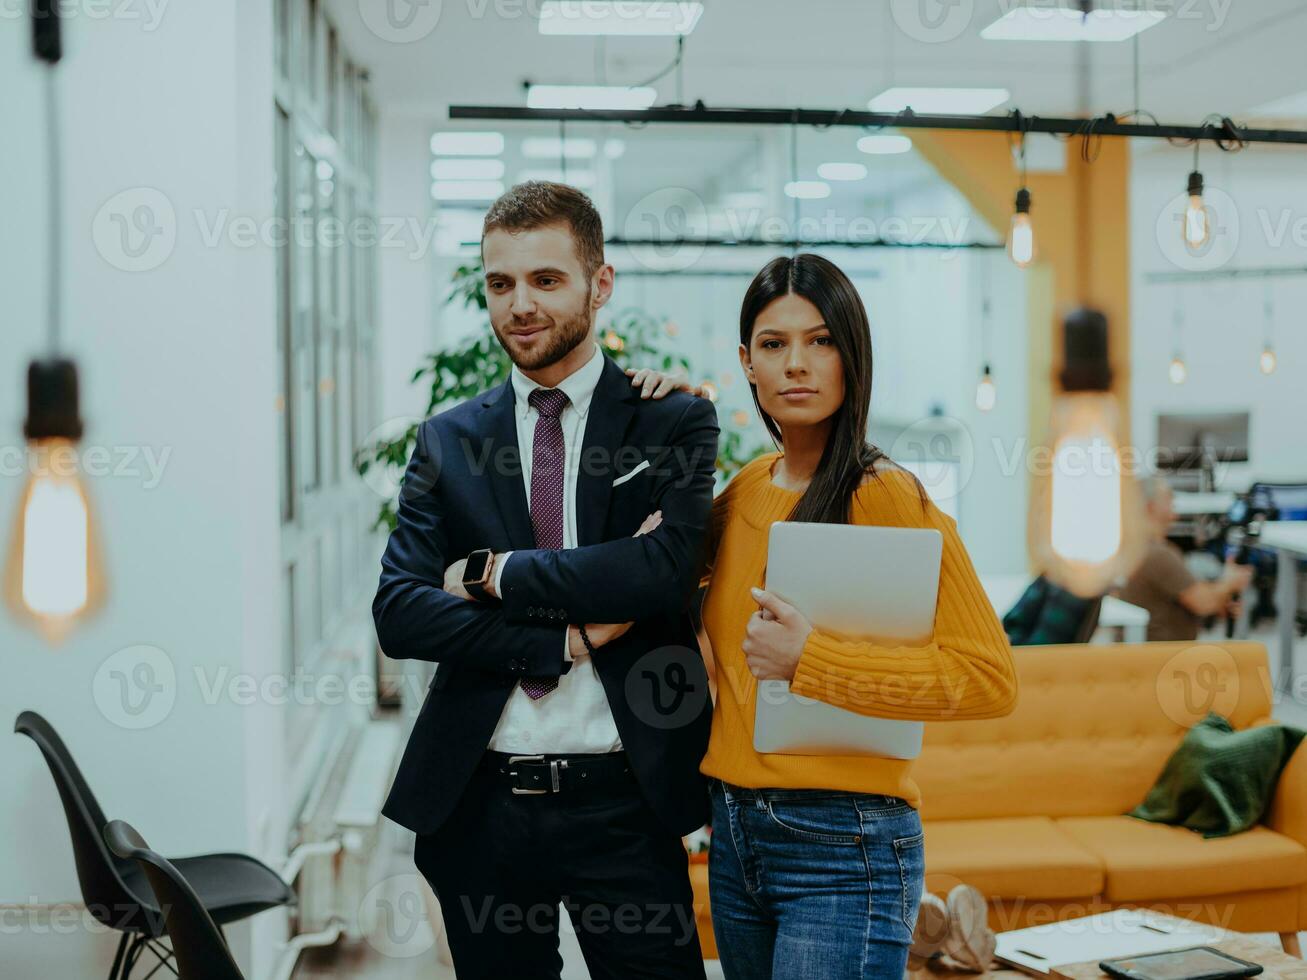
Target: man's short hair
538, 203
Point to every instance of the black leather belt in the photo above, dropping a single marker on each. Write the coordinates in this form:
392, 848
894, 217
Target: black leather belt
535, 774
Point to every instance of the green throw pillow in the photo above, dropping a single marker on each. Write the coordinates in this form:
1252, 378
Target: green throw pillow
1219, 781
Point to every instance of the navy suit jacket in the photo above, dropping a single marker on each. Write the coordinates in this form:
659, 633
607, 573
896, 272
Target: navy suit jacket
463, 490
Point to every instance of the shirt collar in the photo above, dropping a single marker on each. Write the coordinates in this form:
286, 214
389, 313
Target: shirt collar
579, 386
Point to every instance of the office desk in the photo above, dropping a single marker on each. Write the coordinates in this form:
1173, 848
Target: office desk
1004, 590
1289, 541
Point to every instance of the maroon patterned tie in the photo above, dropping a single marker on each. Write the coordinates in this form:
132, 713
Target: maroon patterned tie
546, 493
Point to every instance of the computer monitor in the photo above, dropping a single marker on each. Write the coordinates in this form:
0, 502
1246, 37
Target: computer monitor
1190, 440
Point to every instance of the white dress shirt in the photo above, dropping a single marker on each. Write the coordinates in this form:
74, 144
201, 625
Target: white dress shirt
574, 717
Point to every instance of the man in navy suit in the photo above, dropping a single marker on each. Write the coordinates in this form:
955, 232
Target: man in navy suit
551, 533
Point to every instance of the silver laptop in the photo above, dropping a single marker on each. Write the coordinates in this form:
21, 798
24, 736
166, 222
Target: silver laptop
871, 583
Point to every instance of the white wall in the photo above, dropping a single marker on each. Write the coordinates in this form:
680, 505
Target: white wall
1260, 202
180, 360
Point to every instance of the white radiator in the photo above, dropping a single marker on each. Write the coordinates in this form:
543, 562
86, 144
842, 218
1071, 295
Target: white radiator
338, 833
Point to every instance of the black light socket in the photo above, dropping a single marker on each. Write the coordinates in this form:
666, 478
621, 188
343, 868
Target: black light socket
1085, 366
1195, 184
52, 409
1023, 201
46, 44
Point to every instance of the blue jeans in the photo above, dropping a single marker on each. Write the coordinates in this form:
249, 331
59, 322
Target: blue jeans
813, 883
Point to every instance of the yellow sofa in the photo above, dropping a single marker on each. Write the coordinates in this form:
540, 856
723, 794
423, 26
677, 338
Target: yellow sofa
1030, 808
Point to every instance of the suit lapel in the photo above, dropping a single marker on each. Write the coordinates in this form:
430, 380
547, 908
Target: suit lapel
611, 409
505, 466
610, 413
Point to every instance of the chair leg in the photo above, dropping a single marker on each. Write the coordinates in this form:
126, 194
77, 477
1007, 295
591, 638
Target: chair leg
133, 954
1289, 940
118, 957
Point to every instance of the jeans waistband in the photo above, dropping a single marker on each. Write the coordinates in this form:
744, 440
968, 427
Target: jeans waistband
769, 794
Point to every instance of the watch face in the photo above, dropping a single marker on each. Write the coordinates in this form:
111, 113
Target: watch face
475, 570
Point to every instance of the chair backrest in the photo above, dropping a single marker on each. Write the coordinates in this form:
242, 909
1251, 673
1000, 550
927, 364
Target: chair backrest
1092, 728
99, 872
197, 943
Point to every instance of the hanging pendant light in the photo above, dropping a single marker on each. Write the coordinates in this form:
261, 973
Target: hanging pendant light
1086, 530
1266, 362
986, 393
53, 575
1178, 372
1196, 227
1021, 235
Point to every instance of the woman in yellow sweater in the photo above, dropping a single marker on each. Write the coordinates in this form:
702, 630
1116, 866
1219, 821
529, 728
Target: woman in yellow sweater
816, 863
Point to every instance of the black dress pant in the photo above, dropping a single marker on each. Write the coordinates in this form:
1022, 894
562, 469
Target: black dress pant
502, 864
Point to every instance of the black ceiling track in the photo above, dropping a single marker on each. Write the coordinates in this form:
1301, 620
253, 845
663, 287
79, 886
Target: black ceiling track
1225, 132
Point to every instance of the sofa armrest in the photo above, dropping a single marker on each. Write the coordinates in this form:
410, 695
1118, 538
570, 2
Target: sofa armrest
1288, 812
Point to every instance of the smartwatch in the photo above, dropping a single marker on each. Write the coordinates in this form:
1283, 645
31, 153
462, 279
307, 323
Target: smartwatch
477, 573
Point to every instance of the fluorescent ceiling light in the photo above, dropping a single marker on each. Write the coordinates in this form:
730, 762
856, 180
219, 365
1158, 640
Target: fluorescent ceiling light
952, 101
842, 171
884, 143
1061, 24
467, 190
744, 200
576, 178
807, 190
551, 147
467, 144
589, 97
648, 18
614, 148
466, 168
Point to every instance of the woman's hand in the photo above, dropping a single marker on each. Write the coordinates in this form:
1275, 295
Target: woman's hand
603, 633
774, 638
656, 384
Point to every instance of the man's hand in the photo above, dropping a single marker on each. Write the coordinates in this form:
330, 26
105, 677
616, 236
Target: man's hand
774, 638
1238, 576
603, 633
656, 384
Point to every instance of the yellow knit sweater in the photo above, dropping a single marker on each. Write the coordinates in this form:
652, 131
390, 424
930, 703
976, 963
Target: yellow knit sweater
966, 672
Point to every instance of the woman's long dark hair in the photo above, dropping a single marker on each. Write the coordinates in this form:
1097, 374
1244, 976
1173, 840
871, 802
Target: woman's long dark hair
848, 456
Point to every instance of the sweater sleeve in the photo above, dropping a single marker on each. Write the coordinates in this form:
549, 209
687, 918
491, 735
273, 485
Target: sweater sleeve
967, 669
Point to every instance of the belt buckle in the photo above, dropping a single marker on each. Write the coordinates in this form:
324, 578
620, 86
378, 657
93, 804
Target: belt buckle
519, 791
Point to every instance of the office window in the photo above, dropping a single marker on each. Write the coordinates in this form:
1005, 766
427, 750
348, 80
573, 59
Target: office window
283, 28
325, 291
284, 188
307, 432
334, 79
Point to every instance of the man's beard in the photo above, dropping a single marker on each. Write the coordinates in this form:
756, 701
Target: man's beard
563, 337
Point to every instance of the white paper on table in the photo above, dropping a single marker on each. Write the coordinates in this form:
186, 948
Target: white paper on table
1122, 932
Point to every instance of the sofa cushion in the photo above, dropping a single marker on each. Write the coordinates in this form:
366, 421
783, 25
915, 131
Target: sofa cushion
1012, 857
1149, 861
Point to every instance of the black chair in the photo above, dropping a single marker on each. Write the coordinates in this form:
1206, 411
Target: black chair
197, 942
230, 886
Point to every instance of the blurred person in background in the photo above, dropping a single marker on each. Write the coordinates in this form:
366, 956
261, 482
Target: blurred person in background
1176, 600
